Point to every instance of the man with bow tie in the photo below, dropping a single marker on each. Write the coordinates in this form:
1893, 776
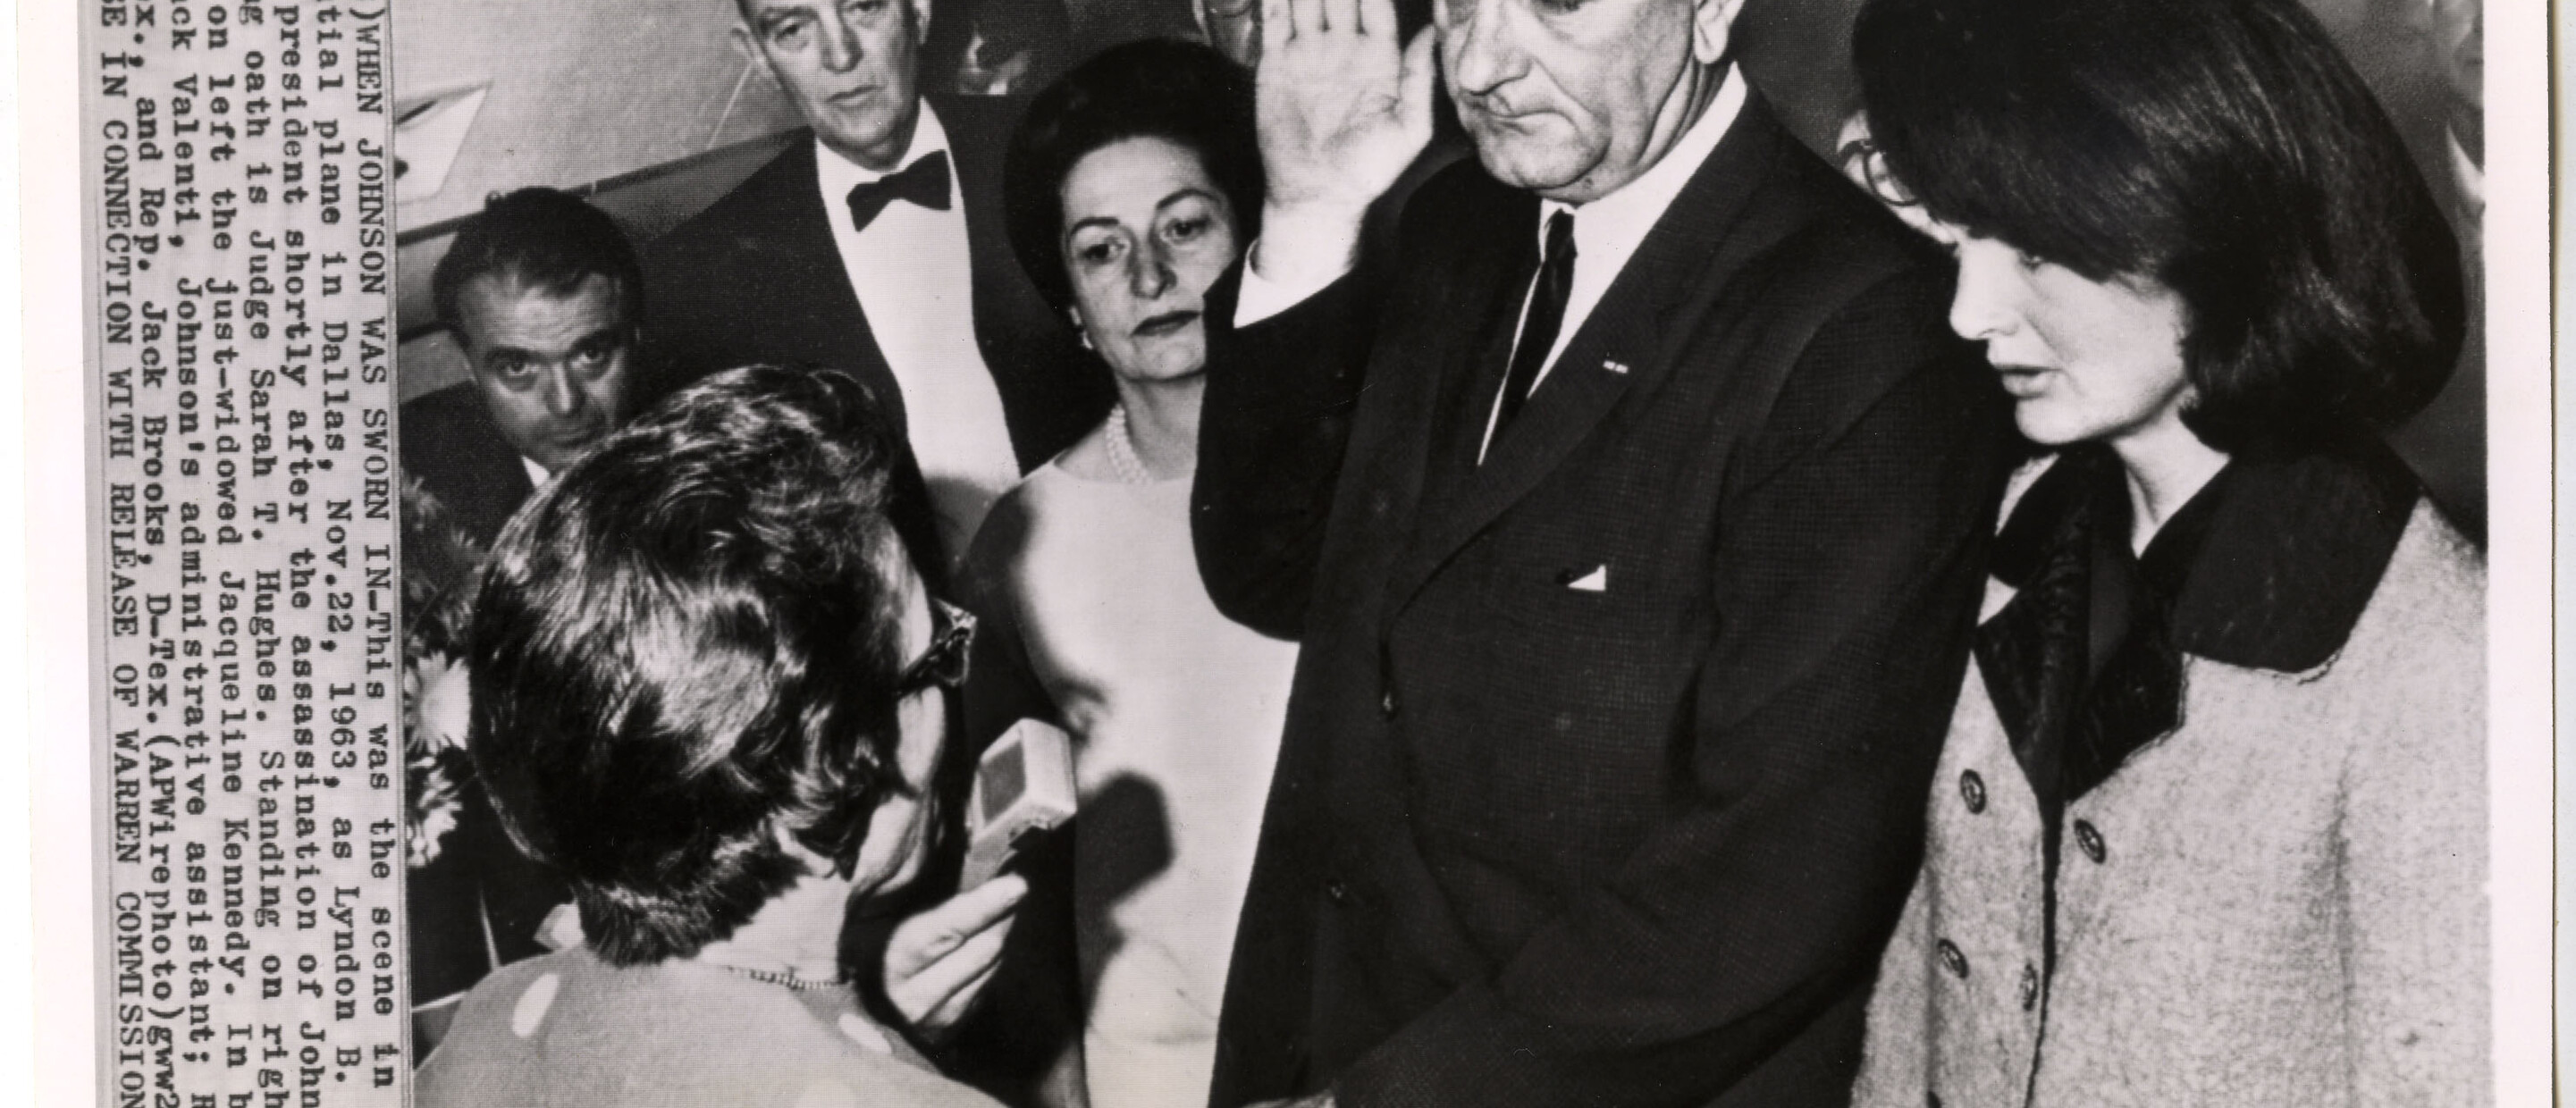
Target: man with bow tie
875, 244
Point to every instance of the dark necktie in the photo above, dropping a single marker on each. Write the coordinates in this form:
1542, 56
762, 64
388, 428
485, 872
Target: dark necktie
1546, 314
924, 182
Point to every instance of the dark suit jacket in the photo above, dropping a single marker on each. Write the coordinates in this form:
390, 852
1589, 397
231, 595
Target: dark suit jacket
1530, 844
478, 904
451, 445
756, 277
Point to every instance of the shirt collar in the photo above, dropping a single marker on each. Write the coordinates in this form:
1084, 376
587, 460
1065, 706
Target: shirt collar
537, 475
1609, 228
840, 175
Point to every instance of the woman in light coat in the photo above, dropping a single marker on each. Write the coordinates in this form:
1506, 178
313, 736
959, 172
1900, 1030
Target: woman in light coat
2210, 824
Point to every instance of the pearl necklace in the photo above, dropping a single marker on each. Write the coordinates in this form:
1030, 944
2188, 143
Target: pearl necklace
1121, 446
786, 977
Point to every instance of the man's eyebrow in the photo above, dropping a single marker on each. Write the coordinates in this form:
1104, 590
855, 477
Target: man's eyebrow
614, 335
495, 353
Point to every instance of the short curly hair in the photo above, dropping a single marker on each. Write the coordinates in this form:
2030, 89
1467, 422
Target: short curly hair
688, 643
1169, 89
2222, 148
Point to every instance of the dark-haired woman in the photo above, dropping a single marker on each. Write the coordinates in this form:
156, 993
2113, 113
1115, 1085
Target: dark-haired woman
708, 688
2209, 826
1131, 184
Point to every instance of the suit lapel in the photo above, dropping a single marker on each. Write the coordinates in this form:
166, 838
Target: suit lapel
1623, 343
799, 243
1052, 392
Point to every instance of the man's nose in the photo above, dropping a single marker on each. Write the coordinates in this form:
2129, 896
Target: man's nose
1476, 37
840, 41
563, 395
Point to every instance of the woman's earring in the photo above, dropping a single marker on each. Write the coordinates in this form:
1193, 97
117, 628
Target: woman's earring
1080, 332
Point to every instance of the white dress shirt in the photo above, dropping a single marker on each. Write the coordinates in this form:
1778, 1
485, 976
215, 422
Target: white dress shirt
914, 277
537, 475
1607, 232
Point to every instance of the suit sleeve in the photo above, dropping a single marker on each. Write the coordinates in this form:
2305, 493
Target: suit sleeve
1273, 428
1846, 581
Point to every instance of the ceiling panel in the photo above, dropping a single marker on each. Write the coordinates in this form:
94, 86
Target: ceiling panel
578, 91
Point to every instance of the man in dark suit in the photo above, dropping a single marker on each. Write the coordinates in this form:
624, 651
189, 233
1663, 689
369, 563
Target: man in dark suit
541, 293
1632, 527
876, 244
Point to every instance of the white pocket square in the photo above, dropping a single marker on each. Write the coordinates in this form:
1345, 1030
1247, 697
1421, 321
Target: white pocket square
1596, 581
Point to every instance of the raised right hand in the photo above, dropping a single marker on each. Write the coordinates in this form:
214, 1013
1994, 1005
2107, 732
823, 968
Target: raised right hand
1342, 111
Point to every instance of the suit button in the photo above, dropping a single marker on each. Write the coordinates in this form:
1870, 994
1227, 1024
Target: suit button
1952, 960
1337, 892
2029, 986
1386, 703
2089, 839
1972, 790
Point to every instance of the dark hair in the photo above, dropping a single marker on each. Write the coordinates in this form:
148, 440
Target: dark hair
546, 239
689, 642
1180, 91
2222, 148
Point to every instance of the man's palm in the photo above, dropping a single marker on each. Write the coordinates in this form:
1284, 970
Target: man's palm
1342, 109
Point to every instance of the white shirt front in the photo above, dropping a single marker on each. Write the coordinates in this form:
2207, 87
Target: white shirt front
1607, 231
914, 276
537, 475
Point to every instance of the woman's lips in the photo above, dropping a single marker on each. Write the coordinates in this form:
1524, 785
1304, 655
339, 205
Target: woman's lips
2024, 381
1166, 323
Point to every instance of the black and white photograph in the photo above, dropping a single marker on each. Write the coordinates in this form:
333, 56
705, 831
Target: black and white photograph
1310, 553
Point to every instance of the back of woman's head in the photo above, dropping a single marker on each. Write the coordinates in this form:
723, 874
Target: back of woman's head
2222, 148
685, 646
1181, 92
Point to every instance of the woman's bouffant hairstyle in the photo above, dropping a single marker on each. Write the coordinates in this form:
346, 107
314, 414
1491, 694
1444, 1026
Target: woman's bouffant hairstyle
2222, 148
1182, 92
688, 644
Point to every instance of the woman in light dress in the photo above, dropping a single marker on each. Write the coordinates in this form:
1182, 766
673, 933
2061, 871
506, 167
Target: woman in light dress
1131, 185
2209, 826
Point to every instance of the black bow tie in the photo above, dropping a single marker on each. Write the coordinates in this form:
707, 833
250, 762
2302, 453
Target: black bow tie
924, 182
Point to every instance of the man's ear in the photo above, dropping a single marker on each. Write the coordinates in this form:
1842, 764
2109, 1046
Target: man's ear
920, 21
1713, 28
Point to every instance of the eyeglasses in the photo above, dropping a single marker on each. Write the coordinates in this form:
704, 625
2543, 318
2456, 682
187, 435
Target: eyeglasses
952, 640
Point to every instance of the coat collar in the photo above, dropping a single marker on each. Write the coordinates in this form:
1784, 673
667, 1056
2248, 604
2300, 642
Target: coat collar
2270, 565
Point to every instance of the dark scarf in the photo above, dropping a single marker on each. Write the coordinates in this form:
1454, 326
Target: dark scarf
2268, 566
